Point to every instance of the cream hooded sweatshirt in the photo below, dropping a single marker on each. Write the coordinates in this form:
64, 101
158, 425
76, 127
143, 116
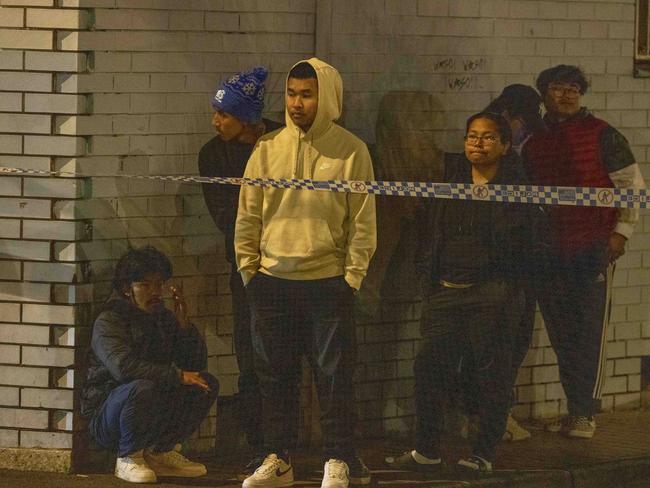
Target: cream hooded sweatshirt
303, 234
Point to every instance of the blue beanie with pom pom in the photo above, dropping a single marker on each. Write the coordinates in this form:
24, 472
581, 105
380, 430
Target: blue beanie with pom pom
242, 95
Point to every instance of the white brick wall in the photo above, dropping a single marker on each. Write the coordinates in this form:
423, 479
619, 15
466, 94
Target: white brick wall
507, 42
130, 93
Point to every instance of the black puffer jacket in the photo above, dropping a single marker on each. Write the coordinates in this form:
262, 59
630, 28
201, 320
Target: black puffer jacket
129, 344
514, 229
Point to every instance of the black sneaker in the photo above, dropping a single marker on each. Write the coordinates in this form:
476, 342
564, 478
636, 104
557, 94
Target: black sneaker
407, 462
250, 468
475, 465
359, 472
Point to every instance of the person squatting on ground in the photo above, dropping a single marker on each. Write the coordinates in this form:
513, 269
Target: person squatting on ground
578, 149
520, 105
238, 105
146, 389
471, 262
302, 255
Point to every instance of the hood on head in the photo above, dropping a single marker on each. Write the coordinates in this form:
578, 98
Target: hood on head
330, 96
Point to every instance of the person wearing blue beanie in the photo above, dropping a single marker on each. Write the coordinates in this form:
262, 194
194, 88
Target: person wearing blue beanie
238, 103
242, 95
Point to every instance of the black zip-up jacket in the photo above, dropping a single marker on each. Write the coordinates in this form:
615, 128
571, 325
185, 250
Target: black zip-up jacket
515, 230
129, 344
221, 158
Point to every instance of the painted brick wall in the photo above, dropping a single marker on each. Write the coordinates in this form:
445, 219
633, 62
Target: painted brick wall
456, 57
42, 311
103, 87
152, 69
109, 86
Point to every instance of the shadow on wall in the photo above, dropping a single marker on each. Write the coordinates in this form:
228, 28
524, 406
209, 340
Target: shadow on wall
405, 151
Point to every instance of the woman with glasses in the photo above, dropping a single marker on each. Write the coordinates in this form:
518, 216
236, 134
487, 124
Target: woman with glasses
520, 105
470, 262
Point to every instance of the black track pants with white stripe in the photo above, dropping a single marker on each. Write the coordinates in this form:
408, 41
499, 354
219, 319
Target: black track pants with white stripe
574, 297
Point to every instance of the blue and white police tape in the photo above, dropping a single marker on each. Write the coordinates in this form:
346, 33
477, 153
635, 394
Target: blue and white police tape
540, 195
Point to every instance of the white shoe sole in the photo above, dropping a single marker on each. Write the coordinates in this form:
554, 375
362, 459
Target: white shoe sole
187, 473
261, 484
579, 434
136, 479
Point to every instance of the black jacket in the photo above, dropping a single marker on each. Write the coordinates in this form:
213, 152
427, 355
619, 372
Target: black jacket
220, 158
514, 228
128, 344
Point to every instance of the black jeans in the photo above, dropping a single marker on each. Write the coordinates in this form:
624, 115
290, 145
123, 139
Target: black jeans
250, 397
140, 414
313, 318
458, 326
574, 298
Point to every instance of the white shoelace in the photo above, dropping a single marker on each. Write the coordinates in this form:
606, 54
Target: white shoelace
175, 458
135, 462
270, 464
337, 469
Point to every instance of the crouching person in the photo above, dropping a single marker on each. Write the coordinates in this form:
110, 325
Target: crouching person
146, 390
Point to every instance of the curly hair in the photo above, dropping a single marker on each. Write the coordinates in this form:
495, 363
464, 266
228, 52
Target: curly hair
136, 263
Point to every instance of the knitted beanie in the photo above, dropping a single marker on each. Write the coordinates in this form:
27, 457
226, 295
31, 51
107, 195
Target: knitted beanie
242, 95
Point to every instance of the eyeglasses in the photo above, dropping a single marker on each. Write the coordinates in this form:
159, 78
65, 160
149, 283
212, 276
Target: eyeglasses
487, 140
570, 91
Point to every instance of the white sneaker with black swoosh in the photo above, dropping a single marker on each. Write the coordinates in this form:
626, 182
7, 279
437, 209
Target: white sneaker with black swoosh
336, 474
274, 472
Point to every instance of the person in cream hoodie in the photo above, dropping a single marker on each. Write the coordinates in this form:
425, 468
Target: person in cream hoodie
302, 255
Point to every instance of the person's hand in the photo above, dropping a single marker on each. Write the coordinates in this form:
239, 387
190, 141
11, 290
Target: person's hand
180, 307
615, 246
194, 378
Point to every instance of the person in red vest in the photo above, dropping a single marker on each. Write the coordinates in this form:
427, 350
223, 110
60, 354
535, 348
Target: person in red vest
578, 149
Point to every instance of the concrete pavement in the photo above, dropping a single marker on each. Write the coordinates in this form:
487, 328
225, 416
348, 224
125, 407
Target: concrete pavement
617, 457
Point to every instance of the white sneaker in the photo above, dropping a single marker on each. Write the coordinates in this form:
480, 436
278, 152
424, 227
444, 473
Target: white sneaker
336, 474
273, 473
514, 430
134, 468
173, 463
582, 427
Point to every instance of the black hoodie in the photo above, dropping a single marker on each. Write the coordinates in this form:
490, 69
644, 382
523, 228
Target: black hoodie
512, 228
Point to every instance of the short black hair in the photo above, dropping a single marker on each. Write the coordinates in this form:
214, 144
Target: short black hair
303, 71
519, 101
136, 263
563, 73
503, 127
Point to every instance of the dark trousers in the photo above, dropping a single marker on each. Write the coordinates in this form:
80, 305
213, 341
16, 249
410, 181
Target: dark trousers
522, 333
459, 326
250, 397
521, 337
574, 299
312, 318
139, 414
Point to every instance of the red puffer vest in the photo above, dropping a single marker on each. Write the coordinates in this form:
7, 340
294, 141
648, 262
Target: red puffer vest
568, 154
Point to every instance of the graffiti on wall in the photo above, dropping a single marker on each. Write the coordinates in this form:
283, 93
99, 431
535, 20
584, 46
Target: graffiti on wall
462, 72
